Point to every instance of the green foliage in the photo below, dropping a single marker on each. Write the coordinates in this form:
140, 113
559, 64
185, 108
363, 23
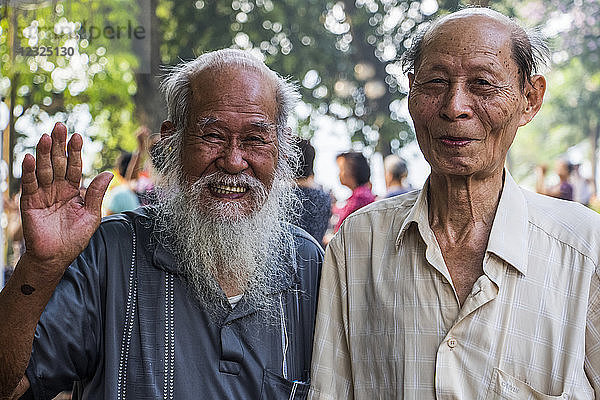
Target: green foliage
571, 109
344, 54
100, 71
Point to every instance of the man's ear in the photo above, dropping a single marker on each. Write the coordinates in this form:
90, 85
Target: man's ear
166, 129
534, 93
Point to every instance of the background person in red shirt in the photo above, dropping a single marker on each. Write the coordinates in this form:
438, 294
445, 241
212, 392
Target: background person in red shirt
355, 174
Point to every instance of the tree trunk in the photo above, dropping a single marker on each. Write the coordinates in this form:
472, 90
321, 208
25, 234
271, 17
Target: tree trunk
149, 104
13, 184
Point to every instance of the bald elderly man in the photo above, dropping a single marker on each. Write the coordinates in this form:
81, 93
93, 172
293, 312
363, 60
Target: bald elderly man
211, 294
471, 288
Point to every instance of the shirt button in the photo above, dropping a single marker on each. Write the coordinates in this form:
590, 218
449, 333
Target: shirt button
451, 343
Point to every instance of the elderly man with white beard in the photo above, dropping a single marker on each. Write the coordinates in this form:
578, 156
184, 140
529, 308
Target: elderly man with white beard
210, 294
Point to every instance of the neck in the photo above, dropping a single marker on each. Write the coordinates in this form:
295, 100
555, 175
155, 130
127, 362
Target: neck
229, 288
458, 205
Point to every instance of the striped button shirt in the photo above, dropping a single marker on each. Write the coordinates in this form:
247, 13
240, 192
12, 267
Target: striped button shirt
390, 326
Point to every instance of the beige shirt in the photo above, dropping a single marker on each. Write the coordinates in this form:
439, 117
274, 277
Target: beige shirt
389, 323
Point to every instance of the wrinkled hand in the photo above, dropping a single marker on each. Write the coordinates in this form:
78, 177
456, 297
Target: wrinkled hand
57, 222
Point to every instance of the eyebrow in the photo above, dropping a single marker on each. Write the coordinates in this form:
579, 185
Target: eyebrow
264, 126
204, 121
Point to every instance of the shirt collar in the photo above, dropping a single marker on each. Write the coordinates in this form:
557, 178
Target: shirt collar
418, 214
508, 237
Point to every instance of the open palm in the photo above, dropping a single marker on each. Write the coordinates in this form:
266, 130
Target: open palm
57, 222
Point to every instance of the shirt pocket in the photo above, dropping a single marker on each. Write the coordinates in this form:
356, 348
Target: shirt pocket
275, 387
505, 386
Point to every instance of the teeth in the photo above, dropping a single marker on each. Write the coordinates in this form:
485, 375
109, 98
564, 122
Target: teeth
223, 189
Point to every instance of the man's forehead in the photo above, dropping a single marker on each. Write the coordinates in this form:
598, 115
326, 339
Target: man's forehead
244, 88
466, 31
230, 75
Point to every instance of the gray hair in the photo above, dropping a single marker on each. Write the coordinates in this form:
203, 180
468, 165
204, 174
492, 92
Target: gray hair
176, 86
395, 166
529, 48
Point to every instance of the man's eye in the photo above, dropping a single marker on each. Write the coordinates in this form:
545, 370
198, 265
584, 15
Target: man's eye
437, 81
483, 82
255, 140
212, 137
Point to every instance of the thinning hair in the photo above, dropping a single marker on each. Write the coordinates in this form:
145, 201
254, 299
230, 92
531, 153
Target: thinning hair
396, 166
529, 48
177, 89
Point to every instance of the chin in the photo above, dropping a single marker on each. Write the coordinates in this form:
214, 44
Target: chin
452, 167
229, 211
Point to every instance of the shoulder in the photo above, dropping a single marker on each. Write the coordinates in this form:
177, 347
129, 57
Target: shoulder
308, 259
118, 226
305, 243
126, 218
566, 221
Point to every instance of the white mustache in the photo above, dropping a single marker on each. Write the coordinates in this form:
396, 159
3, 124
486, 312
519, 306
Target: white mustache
222, 178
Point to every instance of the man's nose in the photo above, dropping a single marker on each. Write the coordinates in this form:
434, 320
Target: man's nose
232, 159
456, 103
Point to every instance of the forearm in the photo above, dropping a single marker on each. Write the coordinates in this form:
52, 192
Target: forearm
540, 187
22, 302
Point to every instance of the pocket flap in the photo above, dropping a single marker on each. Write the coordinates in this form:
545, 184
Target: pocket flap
505, 386
275, 387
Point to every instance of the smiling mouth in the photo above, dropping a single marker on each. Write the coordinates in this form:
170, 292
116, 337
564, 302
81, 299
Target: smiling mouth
228, 190
455, 141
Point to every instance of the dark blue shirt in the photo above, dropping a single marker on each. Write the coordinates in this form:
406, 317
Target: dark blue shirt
315, 211
122, 325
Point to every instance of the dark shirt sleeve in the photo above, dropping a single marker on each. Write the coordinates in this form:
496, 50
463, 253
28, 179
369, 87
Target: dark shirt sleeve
66, 345
310, 260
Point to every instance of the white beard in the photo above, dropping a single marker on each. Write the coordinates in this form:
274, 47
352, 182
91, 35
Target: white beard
214, 242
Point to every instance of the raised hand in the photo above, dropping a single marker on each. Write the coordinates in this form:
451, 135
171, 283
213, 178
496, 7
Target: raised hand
57, 222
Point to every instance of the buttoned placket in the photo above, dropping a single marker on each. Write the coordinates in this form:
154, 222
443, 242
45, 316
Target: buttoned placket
484, 290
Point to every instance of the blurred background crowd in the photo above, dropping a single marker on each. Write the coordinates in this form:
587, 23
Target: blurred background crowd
95, 65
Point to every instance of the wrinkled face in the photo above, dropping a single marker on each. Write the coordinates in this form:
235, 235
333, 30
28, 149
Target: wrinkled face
465, 99
230, 150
